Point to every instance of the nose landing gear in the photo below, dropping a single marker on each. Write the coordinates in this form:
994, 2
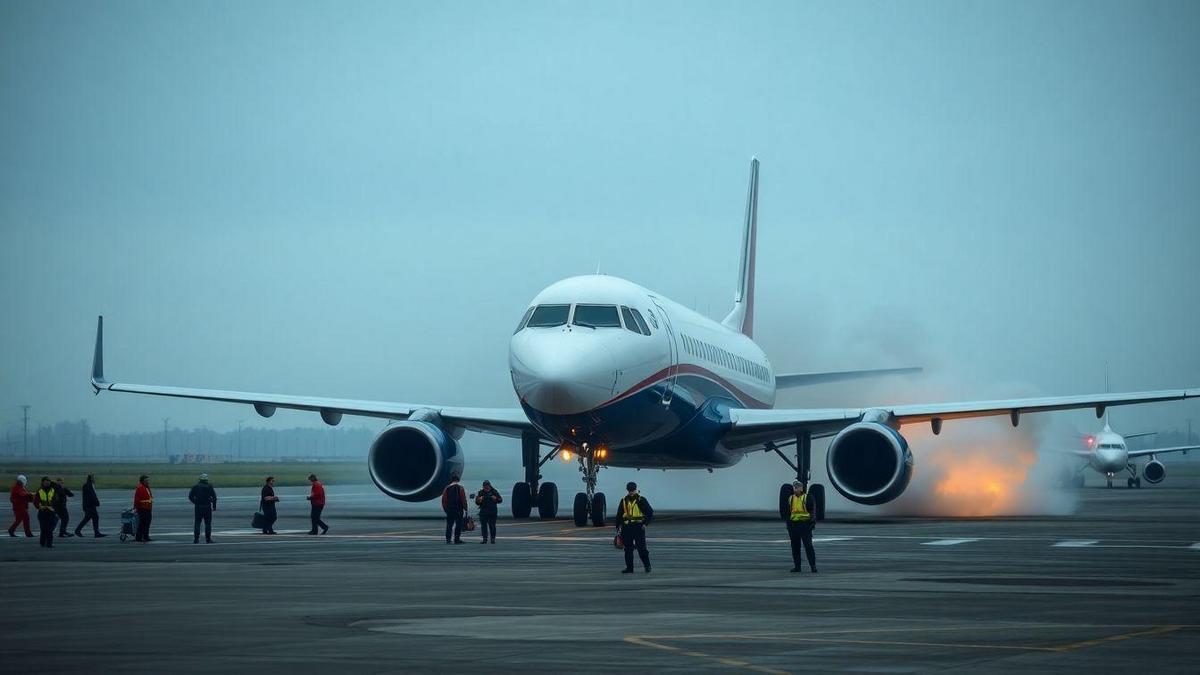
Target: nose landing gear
590, 505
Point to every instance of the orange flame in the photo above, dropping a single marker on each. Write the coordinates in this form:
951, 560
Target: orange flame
979, 482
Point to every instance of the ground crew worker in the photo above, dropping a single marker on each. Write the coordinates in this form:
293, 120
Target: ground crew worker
143, 503
60, 507
91, 509
800, 526
43, 500
20, 498
266, 504
487, 499
317, 498
454, 504
205, 499
633, 515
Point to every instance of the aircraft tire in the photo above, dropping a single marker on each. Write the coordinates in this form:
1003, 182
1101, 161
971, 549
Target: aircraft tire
581, 509
818, 497
522, 500
547, 501
1129, 483
1109, 482
599, 509
785, 494
1137, 482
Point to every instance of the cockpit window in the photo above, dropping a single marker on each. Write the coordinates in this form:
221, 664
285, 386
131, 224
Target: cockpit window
524, 319
596, 316
630, 322
640, 321
549, 316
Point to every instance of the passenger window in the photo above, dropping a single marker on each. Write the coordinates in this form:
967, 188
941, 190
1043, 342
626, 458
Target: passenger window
630, 322
549, 316
523, 320
596, 316
641, 322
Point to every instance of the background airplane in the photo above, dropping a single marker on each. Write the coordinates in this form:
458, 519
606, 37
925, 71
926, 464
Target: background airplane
1108, 454
611, 373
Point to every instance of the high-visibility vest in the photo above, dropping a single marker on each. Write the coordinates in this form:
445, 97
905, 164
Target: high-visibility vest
799, 512
45, 499
633, 512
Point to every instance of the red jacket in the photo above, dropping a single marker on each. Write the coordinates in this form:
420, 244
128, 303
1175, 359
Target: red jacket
143, 499
20, 497
317, 497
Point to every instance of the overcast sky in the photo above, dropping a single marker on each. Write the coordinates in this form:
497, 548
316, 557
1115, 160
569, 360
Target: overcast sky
359, 199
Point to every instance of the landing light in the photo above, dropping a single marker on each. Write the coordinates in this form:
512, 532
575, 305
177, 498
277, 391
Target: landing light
566, 455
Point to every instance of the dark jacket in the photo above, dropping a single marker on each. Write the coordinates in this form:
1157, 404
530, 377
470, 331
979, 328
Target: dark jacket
267, 506
203, 496
487, 501
90, 500
60, 497
454, 499
643, 505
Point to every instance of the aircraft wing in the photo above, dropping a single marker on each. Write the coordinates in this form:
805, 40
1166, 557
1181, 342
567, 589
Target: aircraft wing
500, 421
788, 380
754, 427
1162, 451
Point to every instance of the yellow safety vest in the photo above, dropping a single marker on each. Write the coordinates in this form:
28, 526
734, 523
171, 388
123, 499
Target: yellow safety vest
633, 512
799, 512
45, 499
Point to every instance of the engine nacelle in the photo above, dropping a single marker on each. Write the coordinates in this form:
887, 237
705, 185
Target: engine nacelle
869, 463
1154, 471
413, 460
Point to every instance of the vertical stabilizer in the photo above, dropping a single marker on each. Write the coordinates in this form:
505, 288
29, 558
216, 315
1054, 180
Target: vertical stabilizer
741, 318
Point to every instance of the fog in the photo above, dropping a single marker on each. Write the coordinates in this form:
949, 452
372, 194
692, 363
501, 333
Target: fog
359, 201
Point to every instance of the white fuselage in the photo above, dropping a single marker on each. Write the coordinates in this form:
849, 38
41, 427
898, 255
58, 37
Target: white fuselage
1109, 455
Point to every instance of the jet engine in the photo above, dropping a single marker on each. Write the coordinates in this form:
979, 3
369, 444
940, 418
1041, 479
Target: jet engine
1154, 471
413, 460
869, 463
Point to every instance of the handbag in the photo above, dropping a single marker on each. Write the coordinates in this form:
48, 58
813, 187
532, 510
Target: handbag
259, 521
618, 542
469, 524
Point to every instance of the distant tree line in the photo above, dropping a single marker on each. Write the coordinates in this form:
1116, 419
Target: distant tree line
76, 439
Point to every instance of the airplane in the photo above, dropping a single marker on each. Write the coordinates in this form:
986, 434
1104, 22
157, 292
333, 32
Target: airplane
1107, 454
611, 373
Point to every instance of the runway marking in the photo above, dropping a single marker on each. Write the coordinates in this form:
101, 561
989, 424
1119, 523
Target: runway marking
1160, 630
725, 661
1195, 547
948, 542
1076, 543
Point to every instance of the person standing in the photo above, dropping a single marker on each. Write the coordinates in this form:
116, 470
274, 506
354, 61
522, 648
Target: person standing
44, 500
317, 498
204, 497
91, 509
800, 527
487, 499
267, 505
454, 504
633, 515
60, 507
20, 498
143, 503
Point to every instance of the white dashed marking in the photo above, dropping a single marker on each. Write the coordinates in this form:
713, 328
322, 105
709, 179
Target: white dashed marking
1076, 543
948, 542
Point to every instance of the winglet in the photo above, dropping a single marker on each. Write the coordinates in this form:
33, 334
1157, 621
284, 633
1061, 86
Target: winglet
741, 318
98, 381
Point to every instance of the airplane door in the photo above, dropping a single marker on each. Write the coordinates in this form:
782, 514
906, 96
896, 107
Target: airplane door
673, 348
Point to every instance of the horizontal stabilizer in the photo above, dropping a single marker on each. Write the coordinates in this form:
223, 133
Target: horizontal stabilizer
806, 379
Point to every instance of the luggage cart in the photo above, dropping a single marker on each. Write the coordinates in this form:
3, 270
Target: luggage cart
129, 523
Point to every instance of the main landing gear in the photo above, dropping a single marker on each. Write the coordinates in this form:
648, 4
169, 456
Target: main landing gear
590, 505
531, 492
1133, 480
803, 468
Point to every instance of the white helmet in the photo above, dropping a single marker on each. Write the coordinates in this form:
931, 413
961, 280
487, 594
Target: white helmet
22, 480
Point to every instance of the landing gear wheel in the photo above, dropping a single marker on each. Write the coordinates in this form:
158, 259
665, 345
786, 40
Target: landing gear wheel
818, 500
599, 509
581, 509
1129, 483
1109, 482
1137, 482
522, 500
547, 501
785, 496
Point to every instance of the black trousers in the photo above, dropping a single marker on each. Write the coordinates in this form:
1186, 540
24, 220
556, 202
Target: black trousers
143, 529
269, 518
454, 524
634, 536
64, 517
205, 516
315, 516
46, 521
90, 515
801, 535
487, 521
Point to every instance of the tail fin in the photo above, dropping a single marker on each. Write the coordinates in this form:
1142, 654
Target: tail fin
741, 318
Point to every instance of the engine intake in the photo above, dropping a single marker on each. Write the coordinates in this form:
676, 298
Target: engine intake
1154, 471
412, 461
869, 463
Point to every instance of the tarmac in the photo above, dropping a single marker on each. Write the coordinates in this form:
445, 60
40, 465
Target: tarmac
1113, 588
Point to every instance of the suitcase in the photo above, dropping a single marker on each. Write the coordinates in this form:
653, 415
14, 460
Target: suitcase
259, 521
469, 524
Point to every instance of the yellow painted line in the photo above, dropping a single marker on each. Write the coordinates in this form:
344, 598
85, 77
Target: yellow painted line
725, 661
1160, 630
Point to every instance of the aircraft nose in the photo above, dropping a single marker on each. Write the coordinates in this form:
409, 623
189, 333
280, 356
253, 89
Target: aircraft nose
562, 373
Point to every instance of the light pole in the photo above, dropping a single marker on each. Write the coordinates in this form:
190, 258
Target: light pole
166, 449
25, 431
239, 441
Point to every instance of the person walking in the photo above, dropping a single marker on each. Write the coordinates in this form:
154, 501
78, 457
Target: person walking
266, 504
317, 498
800, 527
20, 498
454, 504
633, 515
43, 500
204, 497
91, 509
60, 507
487, 500
143, 503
